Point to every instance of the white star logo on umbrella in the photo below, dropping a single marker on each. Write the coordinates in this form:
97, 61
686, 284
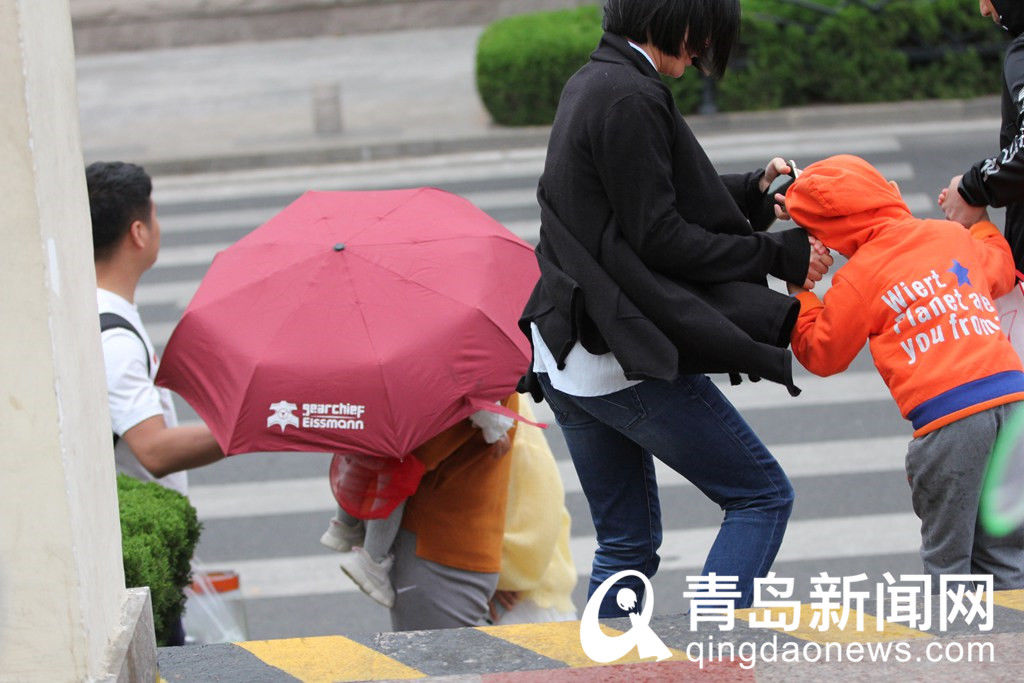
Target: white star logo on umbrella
282, 415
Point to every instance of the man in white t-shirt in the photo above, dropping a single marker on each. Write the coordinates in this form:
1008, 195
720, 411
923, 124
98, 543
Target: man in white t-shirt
149, 443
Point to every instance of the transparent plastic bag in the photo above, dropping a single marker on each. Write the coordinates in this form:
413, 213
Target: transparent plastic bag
214, 608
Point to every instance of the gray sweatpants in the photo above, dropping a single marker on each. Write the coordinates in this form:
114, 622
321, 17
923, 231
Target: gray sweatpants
945, 469
430, 595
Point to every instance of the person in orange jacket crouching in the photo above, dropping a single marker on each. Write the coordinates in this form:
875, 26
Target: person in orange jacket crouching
921, 293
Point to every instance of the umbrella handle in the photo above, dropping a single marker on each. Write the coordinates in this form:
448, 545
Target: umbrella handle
491, 407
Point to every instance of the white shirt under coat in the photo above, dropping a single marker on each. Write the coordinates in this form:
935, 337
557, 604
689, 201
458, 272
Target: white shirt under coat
585, 373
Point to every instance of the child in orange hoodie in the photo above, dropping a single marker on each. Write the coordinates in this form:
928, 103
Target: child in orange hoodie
920, 292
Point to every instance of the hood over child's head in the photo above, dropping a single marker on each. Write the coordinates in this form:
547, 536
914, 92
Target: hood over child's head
844, 201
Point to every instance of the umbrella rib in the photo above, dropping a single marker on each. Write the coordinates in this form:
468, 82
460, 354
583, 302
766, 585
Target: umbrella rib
510, 237
269, 341
461, 238
238, 255
422, 286
369, 340
381, 218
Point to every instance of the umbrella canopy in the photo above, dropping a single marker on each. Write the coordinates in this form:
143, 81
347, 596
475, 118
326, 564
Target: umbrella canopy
362, 322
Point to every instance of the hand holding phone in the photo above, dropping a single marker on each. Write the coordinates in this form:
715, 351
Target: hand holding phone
783, 180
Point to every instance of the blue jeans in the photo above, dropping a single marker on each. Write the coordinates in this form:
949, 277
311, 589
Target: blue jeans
690, 426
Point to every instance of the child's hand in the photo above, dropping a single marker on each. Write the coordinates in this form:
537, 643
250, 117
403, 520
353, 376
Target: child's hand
504, 599
493, 425
956, 209
821, 260
502, 446
780, 207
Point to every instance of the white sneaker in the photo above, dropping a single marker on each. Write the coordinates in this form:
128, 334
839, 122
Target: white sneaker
371, 577
342, 537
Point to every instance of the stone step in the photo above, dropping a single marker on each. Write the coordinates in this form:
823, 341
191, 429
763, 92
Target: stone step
821, 641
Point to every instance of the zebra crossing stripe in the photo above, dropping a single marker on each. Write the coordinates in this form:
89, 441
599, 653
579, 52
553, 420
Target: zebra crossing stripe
806, 540
174, 191
312, 494
327, 659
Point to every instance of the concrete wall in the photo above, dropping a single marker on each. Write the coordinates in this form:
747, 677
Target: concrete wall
61, 581
111, 25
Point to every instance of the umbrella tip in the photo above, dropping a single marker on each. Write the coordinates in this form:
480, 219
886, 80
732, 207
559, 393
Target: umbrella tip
340, 246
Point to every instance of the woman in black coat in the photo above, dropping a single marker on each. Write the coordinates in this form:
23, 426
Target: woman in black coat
652, 273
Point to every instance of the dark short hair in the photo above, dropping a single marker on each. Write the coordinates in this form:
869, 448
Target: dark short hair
709, 27
119, 194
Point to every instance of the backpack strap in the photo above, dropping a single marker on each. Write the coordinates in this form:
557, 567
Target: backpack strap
110, 321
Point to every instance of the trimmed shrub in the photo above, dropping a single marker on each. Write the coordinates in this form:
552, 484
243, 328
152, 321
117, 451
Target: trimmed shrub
523, 61
790, 52
159, 531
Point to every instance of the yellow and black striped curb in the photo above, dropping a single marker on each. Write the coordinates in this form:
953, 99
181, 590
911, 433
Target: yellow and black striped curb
552, 652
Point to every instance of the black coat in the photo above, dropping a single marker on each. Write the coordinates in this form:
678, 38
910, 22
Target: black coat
999, 181
645, 250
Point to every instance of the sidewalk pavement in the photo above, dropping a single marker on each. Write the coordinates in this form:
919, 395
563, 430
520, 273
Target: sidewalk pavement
551, 653
398, 94
253, 104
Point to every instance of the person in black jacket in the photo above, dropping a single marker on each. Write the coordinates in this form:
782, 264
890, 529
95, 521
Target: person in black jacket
653, 272
999, 180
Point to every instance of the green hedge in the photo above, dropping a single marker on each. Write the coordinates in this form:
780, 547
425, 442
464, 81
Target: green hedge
789, 53
159, 531
522, 62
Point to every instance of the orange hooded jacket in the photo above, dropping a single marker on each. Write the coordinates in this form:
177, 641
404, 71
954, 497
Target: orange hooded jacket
920, 291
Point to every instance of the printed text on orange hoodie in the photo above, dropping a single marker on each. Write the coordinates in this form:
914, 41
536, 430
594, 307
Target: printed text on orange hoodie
920, 291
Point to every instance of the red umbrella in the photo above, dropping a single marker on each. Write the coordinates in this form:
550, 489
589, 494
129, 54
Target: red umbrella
361, 322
